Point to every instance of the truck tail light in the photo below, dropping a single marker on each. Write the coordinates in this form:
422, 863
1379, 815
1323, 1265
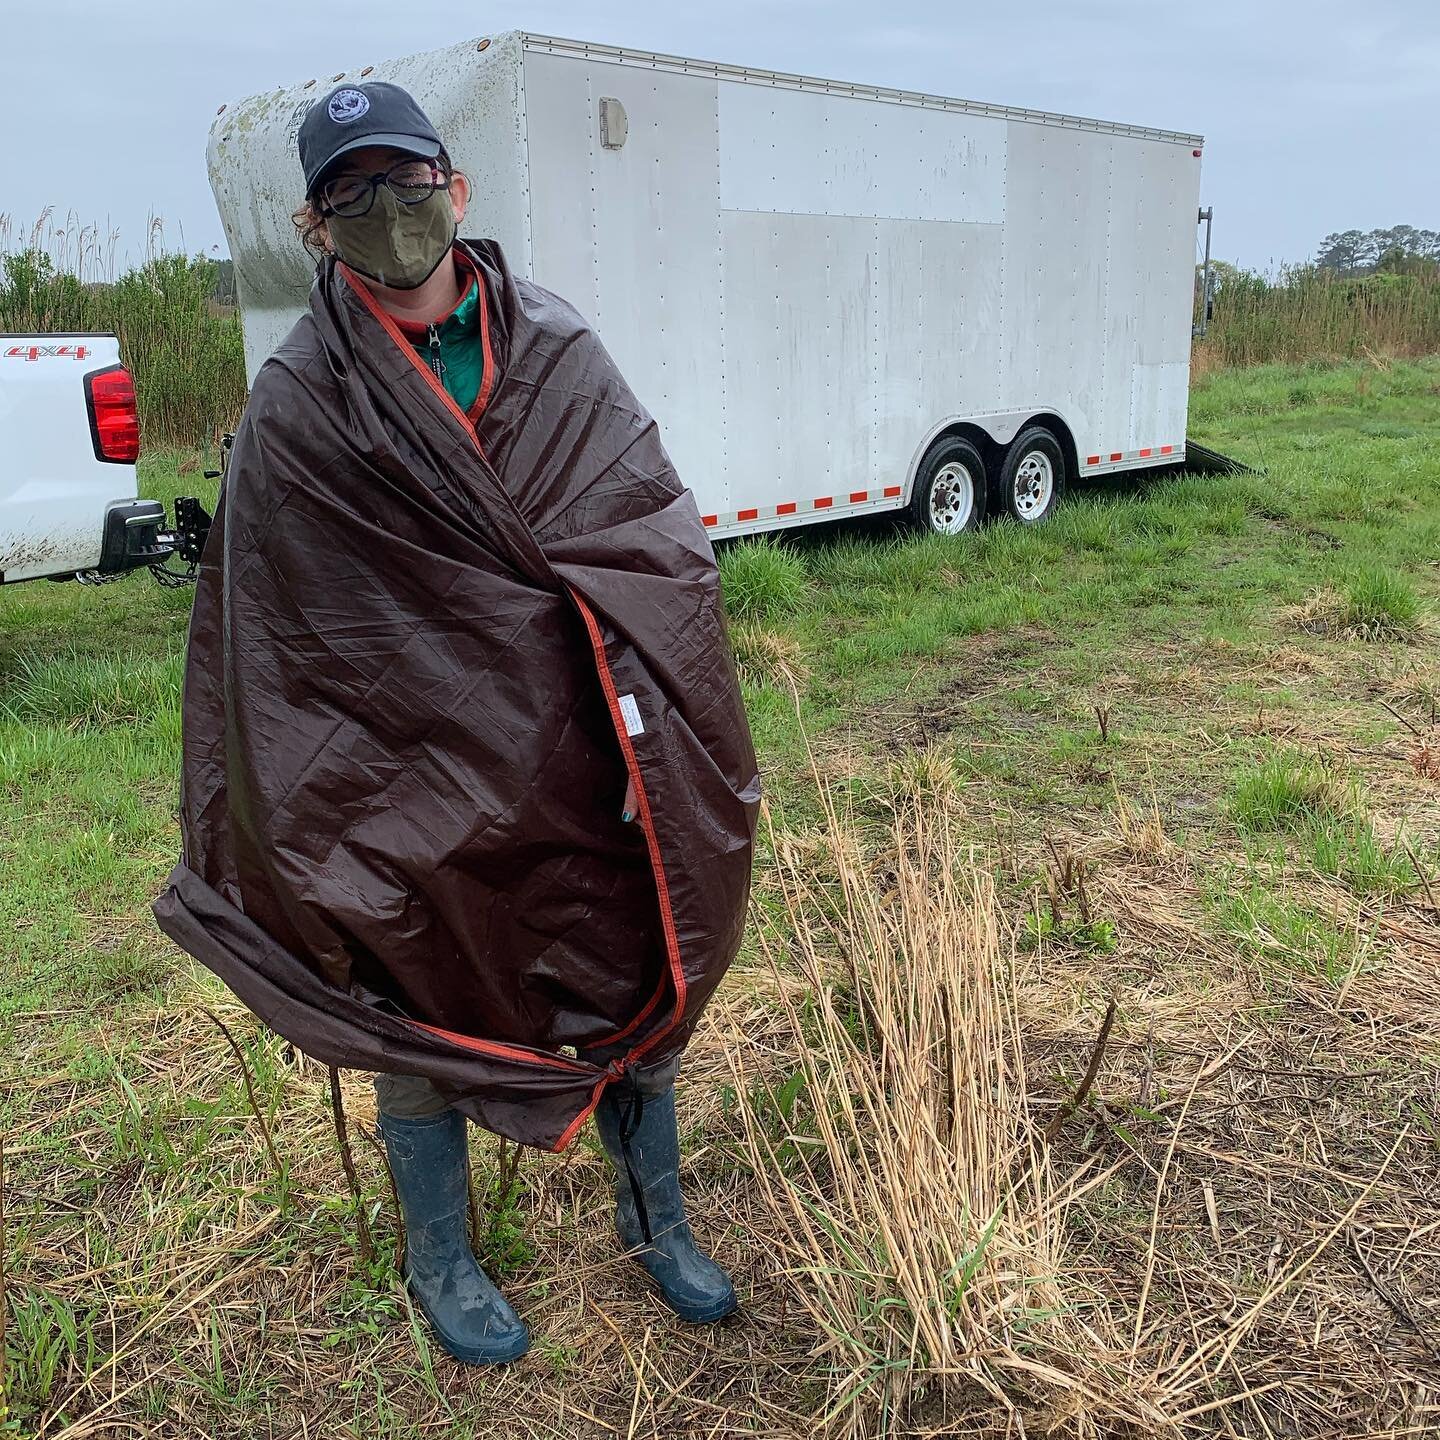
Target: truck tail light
114, 418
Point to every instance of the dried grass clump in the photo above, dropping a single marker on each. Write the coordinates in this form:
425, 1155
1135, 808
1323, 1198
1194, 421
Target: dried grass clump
820, 855
1414, 687
766, 657
912, 1207
1319, 613
1287, 659
1142, 832
926, 774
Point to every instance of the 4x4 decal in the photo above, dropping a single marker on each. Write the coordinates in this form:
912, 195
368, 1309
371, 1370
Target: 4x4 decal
39, 352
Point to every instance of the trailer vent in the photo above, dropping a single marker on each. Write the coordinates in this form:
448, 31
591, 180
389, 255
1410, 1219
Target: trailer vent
613, 124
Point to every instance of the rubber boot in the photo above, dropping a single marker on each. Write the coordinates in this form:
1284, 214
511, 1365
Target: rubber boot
430, 1162
693, 1285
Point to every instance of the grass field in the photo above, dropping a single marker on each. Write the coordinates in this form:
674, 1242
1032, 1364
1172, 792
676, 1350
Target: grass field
1149, 796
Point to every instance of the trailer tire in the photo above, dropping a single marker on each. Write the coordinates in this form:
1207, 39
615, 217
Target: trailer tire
950, 489
1032, 477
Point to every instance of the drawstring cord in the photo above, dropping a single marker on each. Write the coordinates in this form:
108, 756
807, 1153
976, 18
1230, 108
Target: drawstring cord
629, 1124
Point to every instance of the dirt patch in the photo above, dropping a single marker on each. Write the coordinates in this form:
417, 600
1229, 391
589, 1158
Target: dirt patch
939, 698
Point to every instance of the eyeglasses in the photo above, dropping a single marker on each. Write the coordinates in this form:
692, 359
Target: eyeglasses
409, 181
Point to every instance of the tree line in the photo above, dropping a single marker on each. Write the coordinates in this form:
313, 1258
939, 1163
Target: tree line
1358, 252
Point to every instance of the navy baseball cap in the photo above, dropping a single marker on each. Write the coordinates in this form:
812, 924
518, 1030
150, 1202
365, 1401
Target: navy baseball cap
352, 116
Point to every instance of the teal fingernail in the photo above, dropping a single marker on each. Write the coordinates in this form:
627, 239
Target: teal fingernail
625, 815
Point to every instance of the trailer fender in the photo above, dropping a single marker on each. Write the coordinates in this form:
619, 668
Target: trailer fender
990, 434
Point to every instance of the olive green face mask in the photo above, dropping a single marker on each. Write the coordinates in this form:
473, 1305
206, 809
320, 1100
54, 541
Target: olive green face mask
397, 245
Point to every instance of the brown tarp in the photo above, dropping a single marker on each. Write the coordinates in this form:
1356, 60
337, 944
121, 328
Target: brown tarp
423, 658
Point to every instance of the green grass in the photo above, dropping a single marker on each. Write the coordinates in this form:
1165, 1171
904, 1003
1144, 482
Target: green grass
763, 580
1284, 935
70, 689
1381, 604
1350, 850
1289, 791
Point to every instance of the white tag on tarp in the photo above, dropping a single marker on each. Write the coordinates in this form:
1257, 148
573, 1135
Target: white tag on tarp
631, 713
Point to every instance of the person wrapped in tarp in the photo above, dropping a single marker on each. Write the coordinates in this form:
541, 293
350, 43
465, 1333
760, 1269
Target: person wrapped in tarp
468, 794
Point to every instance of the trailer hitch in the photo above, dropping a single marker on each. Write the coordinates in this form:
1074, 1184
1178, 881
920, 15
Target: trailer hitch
192, 529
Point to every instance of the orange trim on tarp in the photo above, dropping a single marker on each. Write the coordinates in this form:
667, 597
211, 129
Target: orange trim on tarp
392, 326
506, 1052
487, 373
642, 804
573, 1128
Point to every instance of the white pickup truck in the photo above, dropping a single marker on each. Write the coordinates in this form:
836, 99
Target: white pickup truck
69, 439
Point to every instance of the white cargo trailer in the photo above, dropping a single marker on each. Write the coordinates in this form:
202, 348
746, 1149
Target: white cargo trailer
835, 298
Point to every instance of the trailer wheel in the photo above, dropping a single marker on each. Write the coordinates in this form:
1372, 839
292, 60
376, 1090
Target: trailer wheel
1032, 477
950, 488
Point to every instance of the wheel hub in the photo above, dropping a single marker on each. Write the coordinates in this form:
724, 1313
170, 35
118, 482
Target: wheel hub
1034, 484
952, 499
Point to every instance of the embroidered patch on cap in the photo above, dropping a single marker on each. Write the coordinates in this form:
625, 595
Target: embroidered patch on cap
348, 105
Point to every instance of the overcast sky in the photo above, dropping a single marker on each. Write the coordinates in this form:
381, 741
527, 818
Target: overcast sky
1319, 115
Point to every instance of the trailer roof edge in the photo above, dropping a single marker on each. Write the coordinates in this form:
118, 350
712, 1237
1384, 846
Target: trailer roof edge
619, 54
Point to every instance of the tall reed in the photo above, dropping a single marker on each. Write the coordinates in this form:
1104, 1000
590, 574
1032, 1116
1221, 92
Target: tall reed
1305, 313
184, 349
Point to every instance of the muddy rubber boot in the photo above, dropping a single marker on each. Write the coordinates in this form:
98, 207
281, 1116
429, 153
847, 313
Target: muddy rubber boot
693, 1285
470, 1317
